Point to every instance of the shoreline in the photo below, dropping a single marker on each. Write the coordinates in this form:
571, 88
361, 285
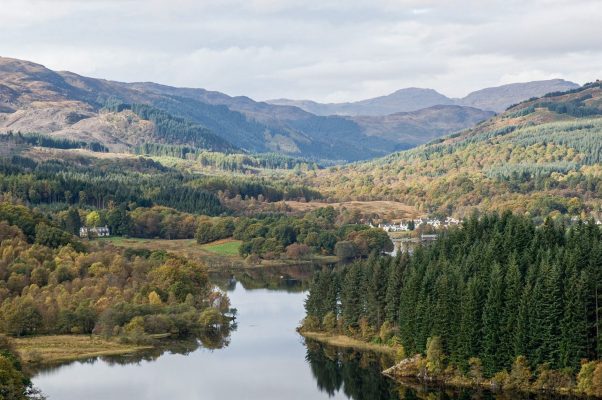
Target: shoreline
339, 340
411, 380
486, 385
54, 349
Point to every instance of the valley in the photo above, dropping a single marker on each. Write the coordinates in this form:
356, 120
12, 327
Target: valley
173, 229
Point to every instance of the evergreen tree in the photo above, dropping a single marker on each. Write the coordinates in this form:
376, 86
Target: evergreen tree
512, 297
573, 326
73, 221
493, 359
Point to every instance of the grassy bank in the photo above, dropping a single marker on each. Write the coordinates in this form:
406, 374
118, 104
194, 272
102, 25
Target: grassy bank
348, 342
216, 255
61, 348
226, 247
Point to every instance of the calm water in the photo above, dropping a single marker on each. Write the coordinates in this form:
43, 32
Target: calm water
265, 359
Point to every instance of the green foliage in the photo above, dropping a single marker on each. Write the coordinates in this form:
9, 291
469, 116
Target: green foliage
36, 139
435, 357
238, 162
529, 159
495, 288
345, 250
21, 317
175, 130
14, 383
211, 319
52, 237
274, 233
51, 287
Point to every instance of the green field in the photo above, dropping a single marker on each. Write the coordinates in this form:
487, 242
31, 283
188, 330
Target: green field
226, 248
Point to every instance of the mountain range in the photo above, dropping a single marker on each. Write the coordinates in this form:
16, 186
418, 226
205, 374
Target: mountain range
542, 157
122, 116
495, 99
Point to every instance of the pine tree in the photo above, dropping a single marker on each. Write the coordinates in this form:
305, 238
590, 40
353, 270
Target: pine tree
73, 221
352, 296
469, 338
512, 297
394, 287
573, 326
493, 361
522, 335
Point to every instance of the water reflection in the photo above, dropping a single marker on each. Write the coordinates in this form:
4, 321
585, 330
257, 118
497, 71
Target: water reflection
209, 340
358, 375
263, 358
288, 278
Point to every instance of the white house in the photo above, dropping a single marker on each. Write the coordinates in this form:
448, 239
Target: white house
102, 231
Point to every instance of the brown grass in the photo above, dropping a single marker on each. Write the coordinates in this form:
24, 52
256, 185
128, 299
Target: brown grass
346, 341
60, 348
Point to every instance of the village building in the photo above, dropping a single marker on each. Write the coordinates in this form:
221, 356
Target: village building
102, 231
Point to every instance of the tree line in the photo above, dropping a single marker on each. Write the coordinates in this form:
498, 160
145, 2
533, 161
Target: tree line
51, 283
496, 289
140, 182
172, 129
317, 232
37, 139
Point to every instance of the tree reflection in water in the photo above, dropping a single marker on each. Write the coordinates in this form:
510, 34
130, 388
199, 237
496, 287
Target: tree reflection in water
358, 375
211, 340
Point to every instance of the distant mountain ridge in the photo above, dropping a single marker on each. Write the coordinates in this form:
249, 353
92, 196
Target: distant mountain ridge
403, 100
35, 99
495, 99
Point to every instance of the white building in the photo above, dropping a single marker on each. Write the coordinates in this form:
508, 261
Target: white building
102, 231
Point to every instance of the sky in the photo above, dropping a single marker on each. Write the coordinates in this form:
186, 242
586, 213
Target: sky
324, 50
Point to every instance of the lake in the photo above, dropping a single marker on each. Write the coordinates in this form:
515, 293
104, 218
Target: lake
265, 358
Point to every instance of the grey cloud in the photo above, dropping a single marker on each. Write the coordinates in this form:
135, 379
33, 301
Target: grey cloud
329, 50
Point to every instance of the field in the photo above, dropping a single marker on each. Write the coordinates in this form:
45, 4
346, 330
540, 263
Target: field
223, 253
216, 255
60, 348
227, 247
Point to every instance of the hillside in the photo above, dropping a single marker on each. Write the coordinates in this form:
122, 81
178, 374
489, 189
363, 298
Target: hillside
403, 100
501, 97
541, 156
411, 99
427, 123
34, 99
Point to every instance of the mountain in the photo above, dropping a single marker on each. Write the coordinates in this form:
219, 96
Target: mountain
542, 156
64, 104
411, 99
427, 123
501, 97
404, 100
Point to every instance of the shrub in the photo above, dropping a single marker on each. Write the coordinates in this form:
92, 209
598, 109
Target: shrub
329, 322
310, 323
211, 319
435, 357
520, 375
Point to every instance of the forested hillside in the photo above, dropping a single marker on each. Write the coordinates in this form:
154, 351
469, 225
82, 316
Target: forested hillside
541, 156
497, 294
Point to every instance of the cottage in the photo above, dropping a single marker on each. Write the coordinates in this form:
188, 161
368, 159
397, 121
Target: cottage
394, 228
102, 231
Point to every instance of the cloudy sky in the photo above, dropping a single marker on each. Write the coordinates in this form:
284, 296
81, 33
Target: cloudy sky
324, 50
